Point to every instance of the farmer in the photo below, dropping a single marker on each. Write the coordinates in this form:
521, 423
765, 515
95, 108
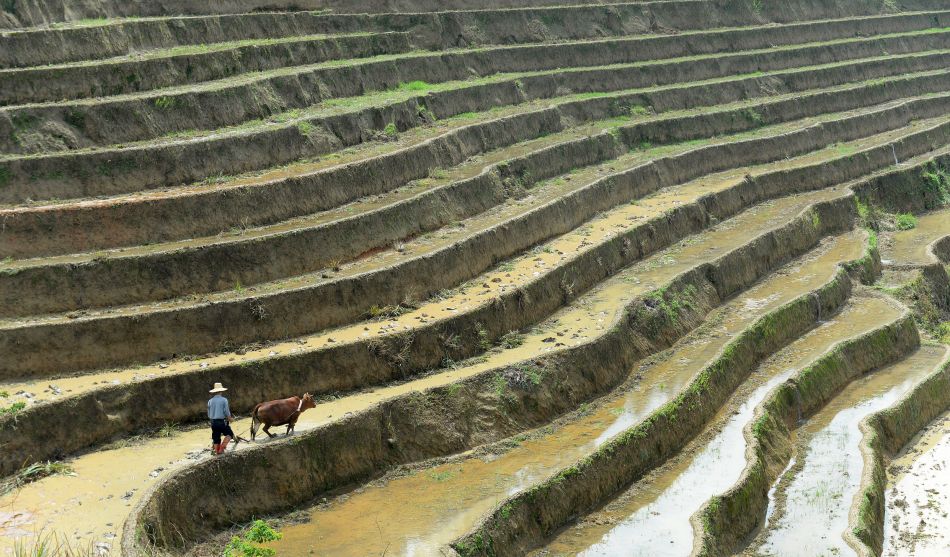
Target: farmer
219, 412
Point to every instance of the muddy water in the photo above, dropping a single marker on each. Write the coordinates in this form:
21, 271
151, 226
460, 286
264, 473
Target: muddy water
912, 247
66, 508
916, 520
814, 500
653, 517
450, 498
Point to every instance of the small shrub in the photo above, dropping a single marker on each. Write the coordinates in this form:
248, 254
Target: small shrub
905, 221
391, 130
238, 547
261, 532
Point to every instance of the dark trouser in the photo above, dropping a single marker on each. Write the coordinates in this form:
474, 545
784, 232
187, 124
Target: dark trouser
219, 428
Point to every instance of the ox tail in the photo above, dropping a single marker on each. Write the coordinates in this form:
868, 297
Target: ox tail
255, 422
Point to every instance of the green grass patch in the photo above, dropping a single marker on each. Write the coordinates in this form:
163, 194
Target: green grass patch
905, 221
415, 86
245, 546
13, 409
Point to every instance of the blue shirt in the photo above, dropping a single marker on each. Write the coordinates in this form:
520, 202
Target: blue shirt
218, 408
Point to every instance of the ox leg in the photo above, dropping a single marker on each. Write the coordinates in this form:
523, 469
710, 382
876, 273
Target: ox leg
267, 430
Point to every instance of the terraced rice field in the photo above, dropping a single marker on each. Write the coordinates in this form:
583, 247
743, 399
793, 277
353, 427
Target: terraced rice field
565, 277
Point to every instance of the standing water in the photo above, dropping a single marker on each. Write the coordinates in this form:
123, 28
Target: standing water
653, 518
814, 500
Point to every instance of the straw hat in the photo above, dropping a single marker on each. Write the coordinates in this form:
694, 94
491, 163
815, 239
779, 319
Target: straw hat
218, 388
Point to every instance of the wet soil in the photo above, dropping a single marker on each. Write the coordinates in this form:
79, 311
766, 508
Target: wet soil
653, 517
913, 248
458, 493
577, 323
917, 503
813, 500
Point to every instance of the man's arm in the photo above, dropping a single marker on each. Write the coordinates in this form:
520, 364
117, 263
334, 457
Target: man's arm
209, 409
227, 410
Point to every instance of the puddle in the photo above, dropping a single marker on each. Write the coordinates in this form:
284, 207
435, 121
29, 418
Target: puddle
449, 499
911, 247
653, 517
918, 495
587, 318
814, 500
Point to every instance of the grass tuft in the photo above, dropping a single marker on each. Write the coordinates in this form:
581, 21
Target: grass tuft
905, 221
32, 473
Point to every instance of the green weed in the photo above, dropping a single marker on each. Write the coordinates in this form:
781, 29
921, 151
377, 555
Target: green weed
261, 532
500, 385
442, 476
305, 128
243, 546
33, 473
4, 176
905, 221
13, 409
513, 339
484, 341
414, 86
49, 544
753, 117
164, 103
75, 117
639, 110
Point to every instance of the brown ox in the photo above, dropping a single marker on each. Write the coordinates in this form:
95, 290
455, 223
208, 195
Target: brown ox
280, 412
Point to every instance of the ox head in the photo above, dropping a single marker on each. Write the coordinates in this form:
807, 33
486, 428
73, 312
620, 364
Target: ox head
308, 402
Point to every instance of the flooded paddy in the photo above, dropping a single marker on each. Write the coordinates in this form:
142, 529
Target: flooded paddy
653, 517
814, 498
917, 506
423, 199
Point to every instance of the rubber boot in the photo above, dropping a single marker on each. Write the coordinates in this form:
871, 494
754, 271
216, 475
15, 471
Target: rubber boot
224, 445
215, 449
